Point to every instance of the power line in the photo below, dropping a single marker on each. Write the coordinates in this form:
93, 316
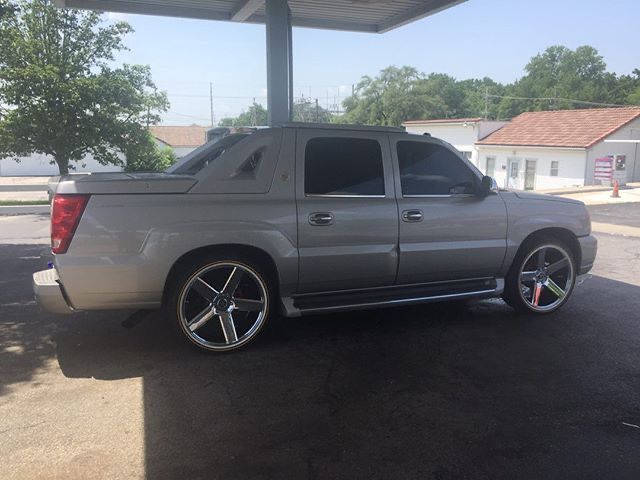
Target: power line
552, 99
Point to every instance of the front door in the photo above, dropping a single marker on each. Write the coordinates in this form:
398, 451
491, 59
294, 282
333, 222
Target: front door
530, 175
347, 212
447, 232
513, 173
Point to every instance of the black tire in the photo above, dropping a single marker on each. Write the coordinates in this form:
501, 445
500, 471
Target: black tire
183, 299
515, 292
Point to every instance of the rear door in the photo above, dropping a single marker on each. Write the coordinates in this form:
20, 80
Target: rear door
447, 232
347, 212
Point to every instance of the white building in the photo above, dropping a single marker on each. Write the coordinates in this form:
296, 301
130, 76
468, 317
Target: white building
182, 139
39, 164
555, 149
462, 133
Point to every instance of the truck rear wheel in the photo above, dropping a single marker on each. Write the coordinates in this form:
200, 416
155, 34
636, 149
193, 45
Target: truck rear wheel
542, 277
219, 304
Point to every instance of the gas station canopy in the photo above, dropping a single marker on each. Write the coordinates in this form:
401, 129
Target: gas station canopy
375, 16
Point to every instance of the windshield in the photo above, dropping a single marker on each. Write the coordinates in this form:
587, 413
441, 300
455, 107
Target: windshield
202, 156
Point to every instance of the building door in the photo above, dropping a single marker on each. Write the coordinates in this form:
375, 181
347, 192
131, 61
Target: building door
530, 175
513, 173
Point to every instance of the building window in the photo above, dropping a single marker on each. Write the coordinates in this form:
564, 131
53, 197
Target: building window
554, 168
431, 169
343, 166
466, 154
490, 168
514, 169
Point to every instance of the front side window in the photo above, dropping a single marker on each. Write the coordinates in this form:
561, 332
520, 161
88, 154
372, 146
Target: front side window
343, 166
431, 169
554, 168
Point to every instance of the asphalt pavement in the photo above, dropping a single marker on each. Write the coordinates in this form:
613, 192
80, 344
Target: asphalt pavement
442, 391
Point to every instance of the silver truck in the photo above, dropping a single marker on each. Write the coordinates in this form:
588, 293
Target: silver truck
307, 219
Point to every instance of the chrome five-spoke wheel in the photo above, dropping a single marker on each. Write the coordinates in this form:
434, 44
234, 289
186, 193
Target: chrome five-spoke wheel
546, 278
223, 305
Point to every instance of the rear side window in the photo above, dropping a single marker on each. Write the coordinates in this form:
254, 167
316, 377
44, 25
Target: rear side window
431, 169
343, 166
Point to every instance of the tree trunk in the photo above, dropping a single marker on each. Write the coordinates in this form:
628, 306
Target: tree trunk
63, 165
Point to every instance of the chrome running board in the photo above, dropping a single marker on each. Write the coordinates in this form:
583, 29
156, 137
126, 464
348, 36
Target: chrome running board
381, 297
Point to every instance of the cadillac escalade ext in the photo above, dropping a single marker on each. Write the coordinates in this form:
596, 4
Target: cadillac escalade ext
304, 219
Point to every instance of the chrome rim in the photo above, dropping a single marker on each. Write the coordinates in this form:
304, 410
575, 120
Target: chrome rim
546, 278
223, 305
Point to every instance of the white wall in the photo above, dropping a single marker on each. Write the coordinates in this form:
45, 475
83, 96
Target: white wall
571, 165
631, 150
39, 164
182, 151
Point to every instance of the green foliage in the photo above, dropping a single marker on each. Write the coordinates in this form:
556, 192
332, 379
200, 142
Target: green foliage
400, 94
308, 111
144, 155
59, 91
255, 116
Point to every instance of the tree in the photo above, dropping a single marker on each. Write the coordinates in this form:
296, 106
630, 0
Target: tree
145, 155
559, 72
59, 91
256, 115
388, 99
307, 110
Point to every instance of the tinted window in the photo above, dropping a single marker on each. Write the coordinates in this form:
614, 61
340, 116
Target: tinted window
431, 169
343, 166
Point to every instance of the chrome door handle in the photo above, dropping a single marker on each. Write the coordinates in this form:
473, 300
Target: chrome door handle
321, 218
412, 216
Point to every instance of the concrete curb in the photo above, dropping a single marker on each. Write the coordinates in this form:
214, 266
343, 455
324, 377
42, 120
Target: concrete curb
577, 190
25, 210
24, 188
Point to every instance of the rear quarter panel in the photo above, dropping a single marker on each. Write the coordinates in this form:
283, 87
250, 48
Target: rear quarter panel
125, 245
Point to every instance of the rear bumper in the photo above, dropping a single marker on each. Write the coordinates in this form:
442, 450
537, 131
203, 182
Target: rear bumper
48, 291
588, 248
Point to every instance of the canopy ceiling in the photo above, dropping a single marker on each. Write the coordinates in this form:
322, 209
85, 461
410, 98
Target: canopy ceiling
376, 16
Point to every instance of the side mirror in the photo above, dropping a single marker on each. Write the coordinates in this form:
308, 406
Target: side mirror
487, 186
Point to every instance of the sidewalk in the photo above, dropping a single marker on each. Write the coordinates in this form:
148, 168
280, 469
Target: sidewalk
627, 195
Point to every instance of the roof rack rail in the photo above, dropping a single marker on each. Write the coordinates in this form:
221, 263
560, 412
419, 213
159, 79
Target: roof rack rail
340, 126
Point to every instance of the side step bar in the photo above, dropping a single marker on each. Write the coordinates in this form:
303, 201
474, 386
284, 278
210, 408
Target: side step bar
380, 297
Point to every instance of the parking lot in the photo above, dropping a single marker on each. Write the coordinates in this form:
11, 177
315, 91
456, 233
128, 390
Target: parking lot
452, 390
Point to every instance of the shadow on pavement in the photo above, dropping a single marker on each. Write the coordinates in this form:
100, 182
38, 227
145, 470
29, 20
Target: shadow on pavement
25, 333
436, 391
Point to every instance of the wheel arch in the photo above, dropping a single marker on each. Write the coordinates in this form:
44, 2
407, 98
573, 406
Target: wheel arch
258, 255
565, 235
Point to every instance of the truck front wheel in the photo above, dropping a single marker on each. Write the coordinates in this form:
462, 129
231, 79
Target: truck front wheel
542, 276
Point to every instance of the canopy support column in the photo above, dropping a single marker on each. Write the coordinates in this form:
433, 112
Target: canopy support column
279, 62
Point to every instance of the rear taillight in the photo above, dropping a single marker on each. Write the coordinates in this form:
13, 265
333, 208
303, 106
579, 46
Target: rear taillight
65, 215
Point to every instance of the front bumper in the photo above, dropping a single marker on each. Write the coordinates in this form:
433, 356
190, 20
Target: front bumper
48, 291
588, 248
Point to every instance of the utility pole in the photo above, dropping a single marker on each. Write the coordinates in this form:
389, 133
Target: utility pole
486, 103
254, 120
211, 100
317, 112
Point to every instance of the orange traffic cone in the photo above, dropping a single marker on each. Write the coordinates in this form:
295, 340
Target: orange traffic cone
616, 190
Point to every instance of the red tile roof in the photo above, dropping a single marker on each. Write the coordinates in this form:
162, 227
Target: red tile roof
443, 120
562, 128
180, 136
